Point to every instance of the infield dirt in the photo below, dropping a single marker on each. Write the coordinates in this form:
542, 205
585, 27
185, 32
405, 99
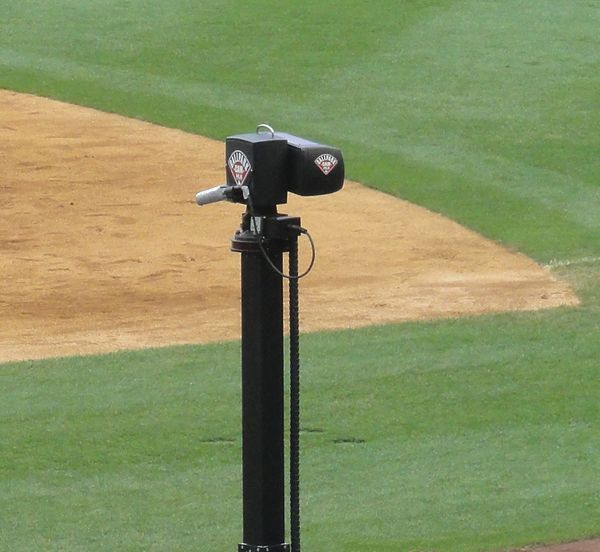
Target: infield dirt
581, 546
103, 248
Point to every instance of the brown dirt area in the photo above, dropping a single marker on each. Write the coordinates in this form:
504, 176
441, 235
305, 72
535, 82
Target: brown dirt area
103, 248
581, 546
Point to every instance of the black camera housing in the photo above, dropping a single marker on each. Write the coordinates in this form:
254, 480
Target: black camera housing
271, 164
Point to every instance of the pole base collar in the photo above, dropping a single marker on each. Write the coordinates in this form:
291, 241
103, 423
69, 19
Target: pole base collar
264, 548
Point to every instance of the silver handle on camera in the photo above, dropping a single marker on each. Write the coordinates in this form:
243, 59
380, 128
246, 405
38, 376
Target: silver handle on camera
222, 193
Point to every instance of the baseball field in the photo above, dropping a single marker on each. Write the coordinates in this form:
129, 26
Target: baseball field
451, 327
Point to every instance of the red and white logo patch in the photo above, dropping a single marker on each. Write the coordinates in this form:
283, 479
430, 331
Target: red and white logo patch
326, 163
239, 166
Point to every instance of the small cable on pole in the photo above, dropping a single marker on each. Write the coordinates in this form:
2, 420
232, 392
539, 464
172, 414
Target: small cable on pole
299, 229
294, 397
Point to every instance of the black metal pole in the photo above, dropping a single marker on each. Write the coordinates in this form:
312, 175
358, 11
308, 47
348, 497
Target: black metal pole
261, 169
262, 397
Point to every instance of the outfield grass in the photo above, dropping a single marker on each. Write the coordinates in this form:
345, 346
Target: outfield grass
476, 434
433, 436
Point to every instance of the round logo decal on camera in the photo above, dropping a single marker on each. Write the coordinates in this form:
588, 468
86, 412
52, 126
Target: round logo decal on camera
326, 163
239, 166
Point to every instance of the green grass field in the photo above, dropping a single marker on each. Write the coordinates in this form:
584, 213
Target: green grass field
455, 436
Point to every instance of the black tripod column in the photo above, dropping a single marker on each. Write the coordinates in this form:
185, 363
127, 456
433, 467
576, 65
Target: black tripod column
261, 169
262, 396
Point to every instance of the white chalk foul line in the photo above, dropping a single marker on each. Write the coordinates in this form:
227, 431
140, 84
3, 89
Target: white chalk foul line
555, 263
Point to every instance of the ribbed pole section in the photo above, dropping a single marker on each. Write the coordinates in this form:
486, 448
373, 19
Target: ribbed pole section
294, 398
262, 402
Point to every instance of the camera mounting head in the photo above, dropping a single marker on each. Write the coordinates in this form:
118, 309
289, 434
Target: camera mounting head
268, 165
